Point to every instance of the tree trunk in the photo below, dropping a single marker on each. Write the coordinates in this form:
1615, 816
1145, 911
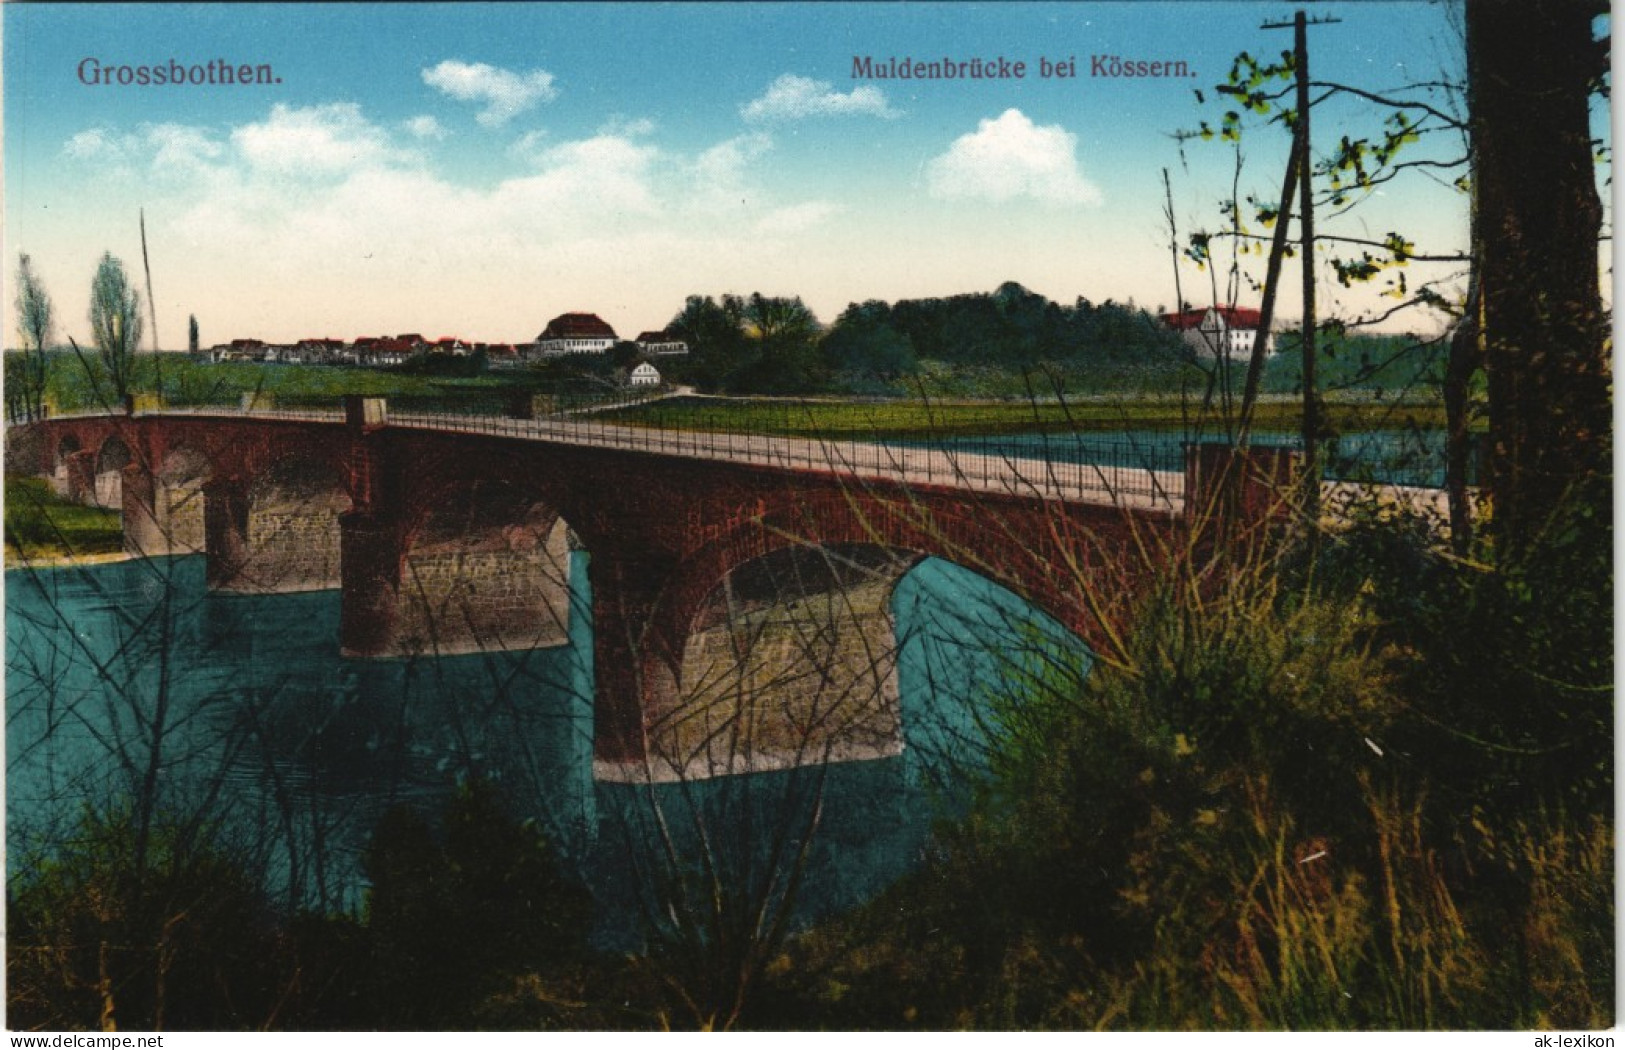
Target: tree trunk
1460, 367
1531, 67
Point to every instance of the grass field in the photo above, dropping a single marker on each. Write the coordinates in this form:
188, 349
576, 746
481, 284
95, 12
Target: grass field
912, 417
41, 526
184, 382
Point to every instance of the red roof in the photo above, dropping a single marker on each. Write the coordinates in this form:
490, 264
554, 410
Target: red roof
577, 326
658, 337
1234, 317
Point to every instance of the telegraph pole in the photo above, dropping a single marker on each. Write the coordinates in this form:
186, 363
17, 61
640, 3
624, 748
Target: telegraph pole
1306, 208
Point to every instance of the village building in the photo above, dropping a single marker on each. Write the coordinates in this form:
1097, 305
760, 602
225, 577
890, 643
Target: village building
661, 342
500, 355
575, 333
1218, 330
644, 374
239, 350
380, 352
320, 351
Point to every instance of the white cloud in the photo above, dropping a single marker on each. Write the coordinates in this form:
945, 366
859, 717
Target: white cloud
173, 150
351, 217
328, 139
719, 180
793, 98
1012, 157
606, 177
528, 146
505, 93
796, 218
96, 144
424, 127
722, 166
630, 128
183, 150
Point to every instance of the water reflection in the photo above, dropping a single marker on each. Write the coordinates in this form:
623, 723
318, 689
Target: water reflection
132, 677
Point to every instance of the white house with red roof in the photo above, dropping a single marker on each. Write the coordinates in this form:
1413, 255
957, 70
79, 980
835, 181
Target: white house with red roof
575, 333
661, 342
1226, 330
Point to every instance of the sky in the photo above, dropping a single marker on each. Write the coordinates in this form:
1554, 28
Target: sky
477, 169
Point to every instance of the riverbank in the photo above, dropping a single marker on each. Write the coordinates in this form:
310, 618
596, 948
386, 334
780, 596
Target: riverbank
43, 530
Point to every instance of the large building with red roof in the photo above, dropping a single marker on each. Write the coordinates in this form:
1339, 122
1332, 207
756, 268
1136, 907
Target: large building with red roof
575, 334
1226, 330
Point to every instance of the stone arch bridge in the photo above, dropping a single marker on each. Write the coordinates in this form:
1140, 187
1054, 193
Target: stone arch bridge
451, 534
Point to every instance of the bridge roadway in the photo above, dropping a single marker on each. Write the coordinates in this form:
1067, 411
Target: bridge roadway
1118, 485
1109, 484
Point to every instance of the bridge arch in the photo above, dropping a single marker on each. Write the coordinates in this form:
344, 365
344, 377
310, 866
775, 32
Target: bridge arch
675, 675
789, 660
179, 484
484, 567
1060, 565
275, 530
112, 457
184, 464
61, 464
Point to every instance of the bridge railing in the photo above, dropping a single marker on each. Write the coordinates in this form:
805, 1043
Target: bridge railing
1104, 471
293, 413
1075, 467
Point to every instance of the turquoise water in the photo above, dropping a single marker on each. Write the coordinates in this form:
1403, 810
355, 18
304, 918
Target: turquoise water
1393, 457
131, 676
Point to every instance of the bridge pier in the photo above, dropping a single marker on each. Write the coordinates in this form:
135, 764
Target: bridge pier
225, 535
144, 533
487, 594
78, 477
370, 563
452, 599
160, 515
635, 664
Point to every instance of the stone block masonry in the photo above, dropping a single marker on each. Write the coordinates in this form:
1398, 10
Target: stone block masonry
484, 601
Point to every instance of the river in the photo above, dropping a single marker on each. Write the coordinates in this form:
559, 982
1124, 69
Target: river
247, 713
1414, 457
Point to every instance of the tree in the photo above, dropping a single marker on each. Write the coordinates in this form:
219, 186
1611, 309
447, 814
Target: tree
1355, 168
115, 322
451, 912
1532, 69
624, 354
35, 323
191, 334
760, 345
864, 342
786, 335
715, 335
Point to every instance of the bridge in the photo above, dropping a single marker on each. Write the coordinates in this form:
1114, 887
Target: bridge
452, 534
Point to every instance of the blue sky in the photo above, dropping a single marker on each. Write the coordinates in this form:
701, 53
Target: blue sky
476, 169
